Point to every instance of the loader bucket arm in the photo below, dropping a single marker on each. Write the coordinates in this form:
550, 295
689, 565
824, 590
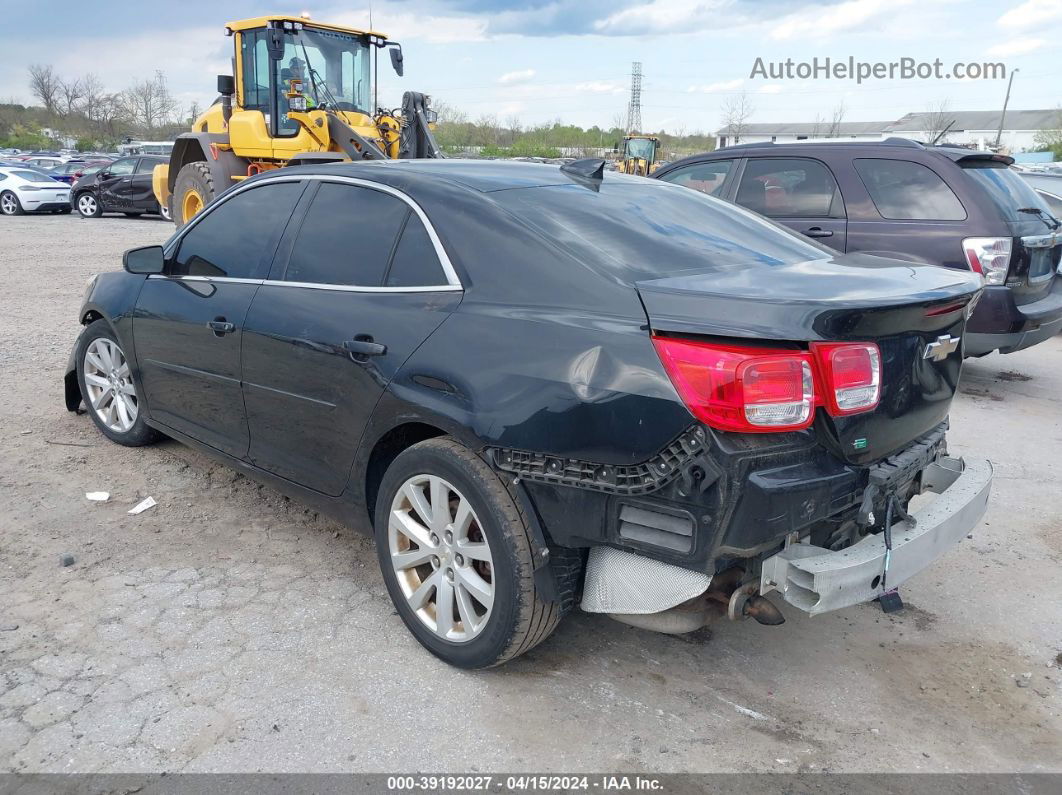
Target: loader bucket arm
351, 142
417, 139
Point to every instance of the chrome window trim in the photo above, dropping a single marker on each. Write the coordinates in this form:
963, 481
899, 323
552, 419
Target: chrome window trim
342, 288
453, 282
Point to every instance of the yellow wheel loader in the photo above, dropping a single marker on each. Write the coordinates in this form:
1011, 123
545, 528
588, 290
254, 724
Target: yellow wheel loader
638, 155
302, 91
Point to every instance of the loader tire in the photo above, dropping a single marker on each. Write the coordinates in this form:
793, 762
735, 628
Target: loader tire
192, 191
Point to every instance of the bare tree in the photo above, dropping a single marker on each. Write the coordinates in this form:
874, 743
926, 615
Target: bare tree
103, 108
46, 86
194, 112
512, 122
149, 104
71, 92
834, 129
936, 120
736, 112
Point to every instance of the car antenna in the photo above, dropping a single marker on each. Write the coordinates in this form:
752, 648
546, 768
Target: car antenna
587, 168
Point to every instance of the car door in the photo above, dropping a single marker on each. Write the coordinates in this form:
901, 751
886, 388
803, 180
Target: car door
140, 195
113, 183
798, 192
188, 321
358, 285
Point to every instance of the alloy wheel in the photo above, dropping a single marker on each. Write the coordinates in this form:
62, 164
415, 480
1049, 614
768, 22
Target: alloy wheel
86, 204
441, 558
111, 394
8, 204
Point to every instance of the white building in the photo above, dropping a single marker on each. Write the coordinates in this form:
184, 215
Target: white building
975, 128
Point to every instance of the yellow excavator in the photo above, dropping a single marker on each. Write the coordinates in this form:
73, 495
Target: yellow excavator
638, 154
302, 91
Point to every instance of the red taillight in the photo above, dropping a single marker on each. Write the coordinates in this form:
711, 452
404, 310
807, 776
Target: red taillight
741, 389
851, 375
737, 388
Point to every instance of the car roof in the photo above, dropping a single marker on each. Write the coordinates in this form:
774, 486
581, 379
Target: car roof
480, 175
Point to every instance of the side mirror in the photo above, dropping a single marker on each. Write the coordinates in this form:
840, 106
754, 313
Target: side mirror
396, 59
226, 85
145, 260
275, 43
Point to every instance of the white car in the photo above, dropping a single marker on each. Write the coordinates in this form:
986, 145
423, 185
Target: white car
24, 190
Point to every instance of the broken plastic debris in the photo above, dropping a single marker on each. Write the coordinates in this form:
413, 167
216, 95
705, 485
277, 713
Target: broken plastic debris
143, 505
98, 496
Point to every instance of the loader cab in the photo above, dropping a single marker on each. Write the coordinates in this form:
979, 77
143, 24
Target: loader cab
287, 64
638, 154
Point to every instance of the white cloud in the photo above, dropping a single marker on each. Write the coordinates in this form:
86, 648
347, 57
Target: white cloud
823, 21
600, 87
1032, 12
1016, 47
712, 88
406, 26
772, 88
667, 16
519, 76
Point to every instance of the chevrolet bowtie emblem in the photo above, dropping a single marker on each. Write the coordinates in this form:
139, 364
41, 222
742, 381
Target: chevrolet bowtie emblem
940, 350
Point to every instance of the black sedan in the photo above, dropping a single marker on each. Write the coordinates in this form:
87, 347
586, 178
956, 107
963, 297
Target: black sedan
123, 186
521, 377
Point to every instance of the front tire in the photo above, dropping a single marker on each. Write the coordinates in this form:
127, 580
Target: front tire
88, 206
108, 389
456, 556
9, 204
192, 191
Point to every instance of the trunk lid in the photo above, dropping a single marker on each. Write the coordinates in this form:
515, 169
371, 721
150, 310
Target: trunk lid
912, 312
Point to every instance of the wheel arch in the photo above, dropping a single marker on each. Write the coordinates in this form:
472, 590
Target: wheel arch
204, 147
386, 449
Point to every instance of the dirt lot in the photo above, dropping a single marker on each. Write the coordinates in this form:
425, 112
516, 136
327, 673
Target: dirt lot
228, 629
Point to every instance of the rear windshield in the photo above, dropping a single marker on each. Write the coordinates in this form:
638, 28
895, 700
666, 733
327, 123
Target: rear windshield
1008, 191
653, 230
33, 176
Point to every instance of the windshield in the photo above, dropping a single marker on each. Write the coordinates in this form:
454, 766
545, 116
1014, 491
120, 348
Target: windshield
1008, 191
641, 148
333, 68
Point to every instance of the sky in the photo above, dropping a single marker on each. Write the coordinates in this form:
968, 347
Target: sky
543, 60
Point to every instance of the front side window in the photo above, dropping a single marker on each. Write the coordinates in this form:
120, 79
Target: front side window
790, 188
122, 167
707, 178
347, 237
906, 191
237, 238
255, 68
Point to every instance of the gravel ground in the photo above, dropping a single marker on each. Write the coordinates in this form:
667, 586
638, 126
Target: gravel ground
229, 629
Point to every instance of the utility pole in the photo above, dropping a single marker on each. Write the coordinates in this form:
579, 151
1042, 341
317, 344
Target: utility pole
634, 110
1006, 101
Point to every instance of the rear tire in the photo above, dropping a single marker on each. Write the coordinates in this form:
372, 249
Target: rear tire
517, 618
9, 204
192, 191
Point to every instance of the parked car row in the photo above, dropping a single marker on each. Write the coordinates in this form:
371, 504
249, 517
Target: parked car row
938, 205
92, 188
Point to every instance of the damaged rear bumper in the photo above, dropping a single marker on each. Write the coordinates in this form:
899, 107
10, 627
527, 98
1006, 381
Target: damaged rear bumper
816, 580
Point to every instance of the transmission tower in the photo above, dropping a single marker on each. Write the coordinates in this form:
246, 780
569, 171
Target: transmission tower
634, 109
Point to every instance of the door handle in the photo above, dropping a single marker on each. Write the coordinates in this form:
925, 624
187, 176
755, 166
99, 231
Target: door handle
363, 346
818, 231
220, 326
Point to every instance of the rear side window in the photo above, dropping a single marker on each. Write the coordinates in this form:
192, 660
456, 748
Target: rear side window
905, 191
790, 188
707, 178
238, 237
33, 176
415, 263
347, 237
